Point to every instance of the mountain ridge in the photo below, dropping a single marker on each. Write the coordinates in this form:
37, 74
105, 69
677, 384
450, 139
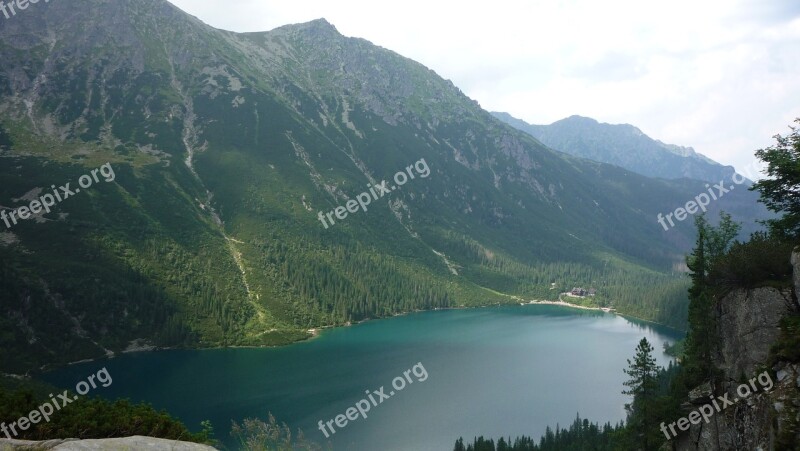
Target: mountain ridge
623, 145
226, 145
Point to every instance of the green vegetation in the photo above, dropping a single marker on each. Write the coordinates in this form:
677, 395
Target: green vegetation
761, 261
89, 418
643, 386
781, 189
257, 435
580, 436
788, 346
712, 243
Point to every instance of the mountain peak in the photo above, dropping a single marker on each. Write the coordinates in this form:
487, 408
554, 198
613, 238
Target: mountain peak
321, 24
583, 121
578, 118
316, 27
623, 145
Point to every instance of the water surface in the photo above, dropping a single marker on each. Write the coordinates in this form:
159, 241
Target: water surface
503, 371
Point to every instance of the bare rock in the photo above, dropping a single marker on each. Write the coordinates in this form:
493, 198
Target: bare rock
127, 443
748, 323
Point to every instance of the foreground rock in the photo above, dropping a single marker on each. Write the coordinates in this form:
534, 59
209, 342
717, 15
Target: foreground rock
127, 443
748, 326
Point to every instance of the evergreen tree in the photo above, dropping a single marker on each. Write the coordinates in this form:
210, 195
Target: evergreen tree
697, 346
711, 246
643, 386
502, 445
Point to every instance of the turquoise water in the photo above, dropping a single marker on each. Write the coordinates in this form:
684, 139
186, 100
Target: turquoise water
503, 371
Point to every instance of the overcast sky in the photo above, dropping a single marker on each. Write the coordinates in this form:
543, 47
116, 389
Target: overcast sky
720, 76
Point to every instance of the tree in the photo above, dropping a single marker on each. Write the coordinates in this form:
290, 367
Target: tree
780, 192
502, 445
720, 238
643, 386
711, 246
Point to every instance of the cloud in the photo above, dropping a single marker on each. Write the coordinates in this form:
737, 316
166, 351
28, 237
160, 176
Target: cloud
768, 13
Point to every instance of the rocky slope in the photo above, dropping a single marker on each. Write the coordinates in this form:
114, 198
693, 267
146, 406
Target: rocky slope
748, 322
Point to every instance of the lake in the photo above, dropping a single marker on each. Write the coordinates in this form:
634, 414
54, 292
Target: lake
500, 371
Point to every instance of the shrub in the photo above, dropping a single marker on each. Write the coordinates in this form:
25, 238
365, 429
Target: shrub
762, 261
92, 418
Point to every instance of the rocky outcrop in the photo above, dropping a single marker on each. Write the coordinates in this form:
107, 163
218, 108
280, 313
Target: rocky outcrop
748, 326
127, 443
752, 423
747, 321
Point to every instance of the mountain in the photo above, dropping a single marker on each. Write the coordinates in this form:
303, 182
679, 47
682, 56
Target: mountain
623, 145
227, 162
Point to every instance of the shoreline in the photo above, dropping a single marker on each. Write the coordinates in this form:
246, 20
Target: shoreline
562, 303
568, 304
316, 332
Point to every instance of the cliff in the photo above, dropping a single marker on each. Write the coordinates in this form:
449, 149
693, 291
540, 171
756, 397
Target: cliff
764, 414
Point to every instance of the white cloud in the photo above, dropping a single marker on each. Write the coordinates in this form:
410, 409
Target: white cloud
721, 76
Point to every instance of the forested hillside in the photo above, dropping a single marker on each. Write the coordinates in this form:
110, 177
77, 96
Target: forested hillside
227, 147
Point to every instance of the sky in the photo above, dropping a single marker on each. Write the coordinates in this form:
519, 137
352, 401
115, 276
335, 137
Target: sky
722, 76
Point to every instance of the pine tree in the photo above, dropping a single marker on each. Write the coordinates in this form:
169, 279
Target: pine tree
697, 350
502, 445
712, 243
643, 386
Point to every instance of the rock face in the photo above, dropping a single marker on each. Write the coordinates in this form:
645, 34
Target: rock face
128, 443
751, 424
748, 326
